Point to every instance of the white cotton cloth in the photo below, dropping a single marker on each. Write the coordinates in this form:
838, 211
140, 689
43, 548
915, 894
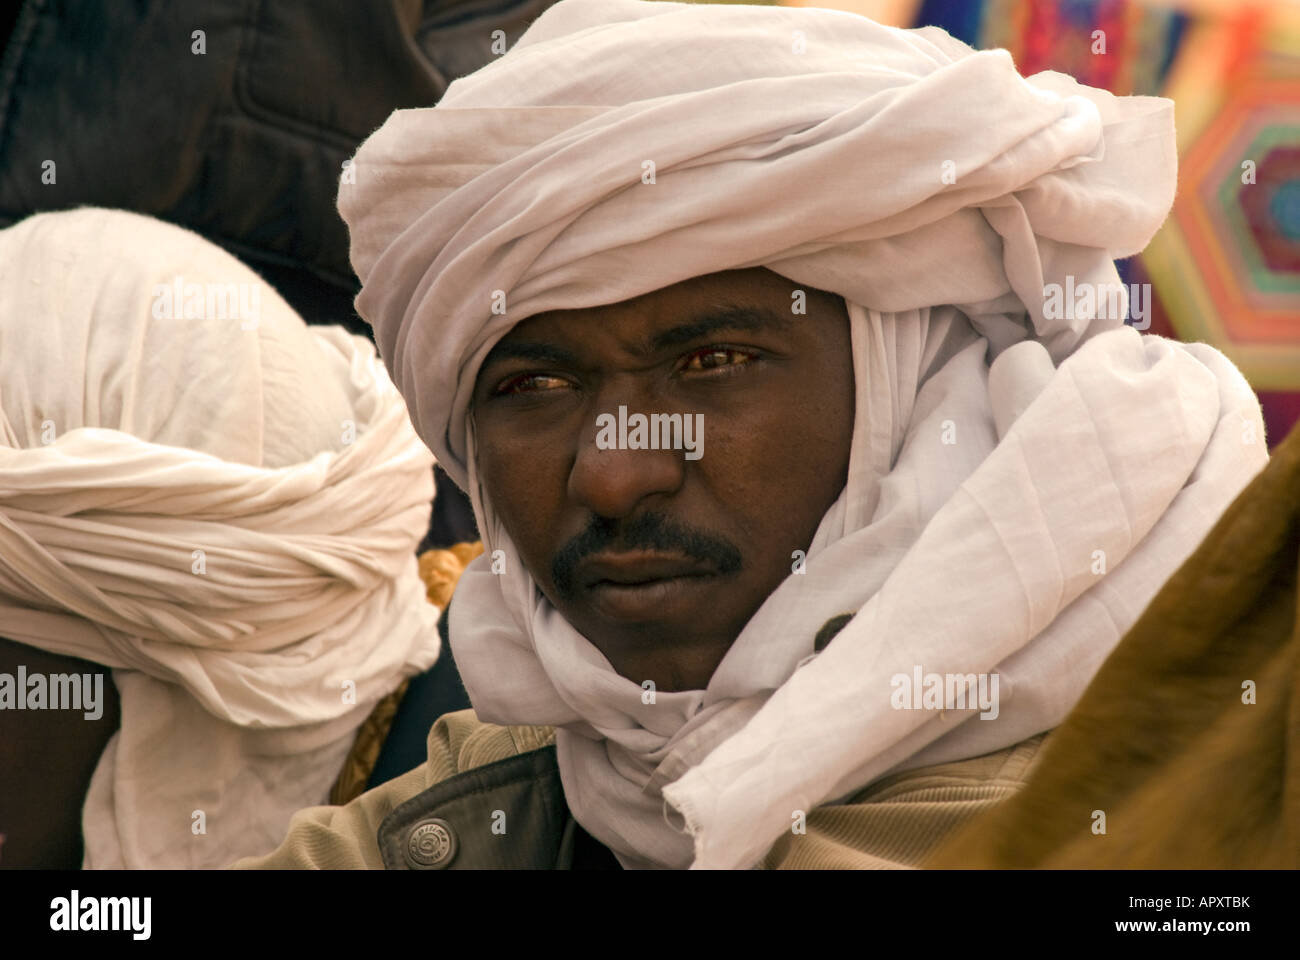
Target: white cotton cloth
1020, 483
223, 507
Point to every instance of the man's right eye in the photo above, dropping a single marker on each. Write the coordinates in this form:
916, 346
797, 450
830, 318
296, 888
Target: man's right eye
528, 383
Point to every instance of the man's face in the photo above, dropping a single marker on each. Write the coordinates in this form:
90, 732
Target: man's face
657, 559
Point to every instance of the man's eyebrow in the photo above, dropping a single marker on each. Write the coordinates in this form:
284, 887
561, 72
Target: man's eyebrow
732, 317
708, 321
531, 350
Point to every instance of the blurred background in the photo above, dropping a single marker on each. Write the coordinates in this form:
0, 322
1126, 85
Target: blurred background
233, 118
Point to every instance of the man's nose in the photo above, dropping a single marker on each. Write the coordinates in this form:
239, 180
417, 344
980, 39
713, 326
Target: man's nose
612, 482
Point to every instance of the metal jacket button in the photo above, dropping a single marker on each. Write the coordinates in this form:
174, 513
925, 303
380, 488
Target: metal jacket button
431, 845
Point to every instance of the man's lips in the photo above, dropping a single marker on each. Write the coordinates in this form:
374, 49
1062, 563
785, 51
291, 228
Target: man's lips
642, 585
639, 567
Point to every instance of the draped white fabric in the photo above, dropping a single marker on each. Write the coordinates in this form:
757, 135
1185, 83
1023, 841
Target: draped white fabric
224, 509
1020, 482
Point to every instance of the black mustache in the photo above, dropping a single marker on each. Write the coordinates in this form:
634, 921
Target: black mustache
649, 531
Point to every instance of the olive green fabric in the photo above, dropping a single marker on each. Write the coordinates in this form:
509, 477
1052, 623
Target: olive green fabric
898, 820
1187, 741
893, 823
346, 837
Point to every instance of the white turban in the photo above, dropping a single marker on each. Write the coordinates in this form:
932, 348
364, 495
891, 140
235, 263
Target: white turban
217, 501
1020, 482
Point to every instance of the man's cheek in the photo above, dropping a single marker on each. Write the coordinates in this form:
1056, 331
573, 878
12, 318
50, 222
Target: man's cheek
511, 498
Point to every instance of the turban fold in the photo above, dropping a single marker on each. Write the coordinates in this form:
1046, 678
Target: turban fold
622, 146
826, 166
218, 502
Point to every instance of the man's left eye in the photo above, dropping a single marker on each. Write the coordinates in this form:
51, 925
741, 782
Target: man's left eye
714, 358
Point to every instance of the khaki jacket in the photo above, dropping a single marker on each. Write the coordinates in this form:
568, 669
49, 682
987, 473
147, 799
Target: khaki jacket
489, 797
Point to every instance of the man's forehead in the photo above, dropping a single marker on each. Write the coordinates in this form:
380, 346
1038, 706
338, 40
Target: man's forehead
752, 299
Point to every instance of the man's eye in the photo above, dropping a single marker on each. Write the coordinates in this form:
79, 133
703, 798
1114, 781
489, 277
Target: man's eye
714, 358
529, 383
